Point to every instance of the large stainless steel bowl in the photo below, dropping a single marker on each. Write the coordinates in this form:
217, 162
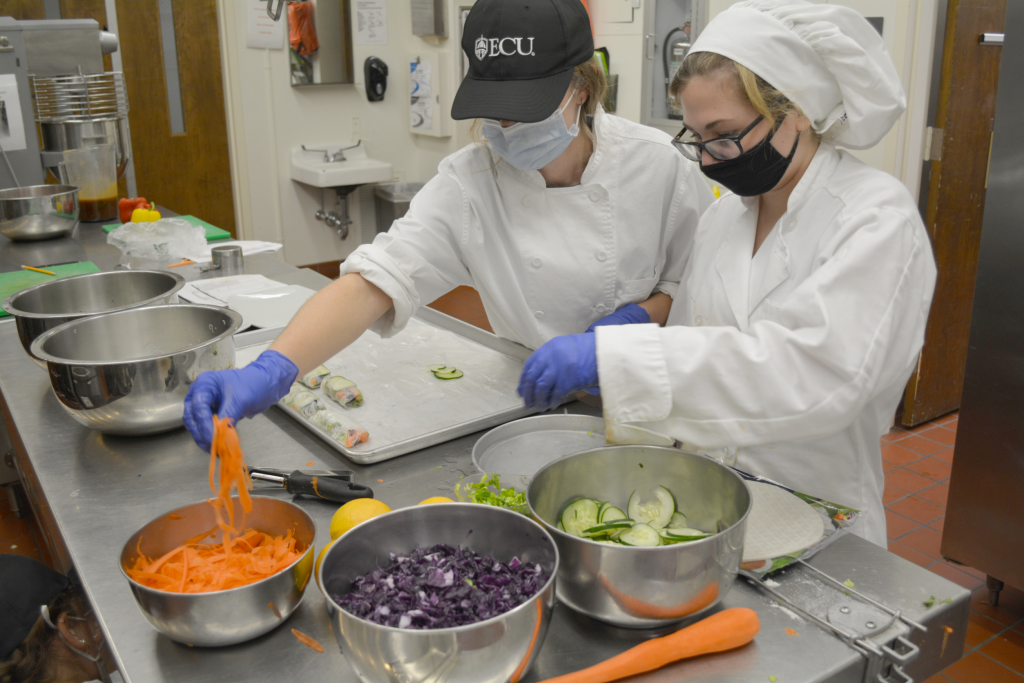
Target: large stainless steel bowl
50, 304
128, 372
229, 616
492, 651
38, 212
645, 587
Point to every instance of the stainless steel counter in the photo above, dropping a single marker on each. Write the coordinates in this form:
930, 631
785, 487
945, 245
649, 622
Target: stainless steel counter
93, 492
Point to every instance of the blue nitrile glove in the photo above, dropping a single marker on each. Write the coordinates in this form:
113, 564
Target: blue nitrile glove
237, 393
560, 367
630, 314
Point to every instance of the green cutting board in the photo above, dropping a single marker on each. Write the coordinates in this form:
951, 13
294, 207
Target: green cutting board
12, 283
212, 231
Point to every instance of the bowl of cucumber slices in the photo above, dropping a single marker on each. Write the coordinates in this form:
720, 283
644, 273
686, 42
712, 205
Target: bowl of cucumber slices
647, 535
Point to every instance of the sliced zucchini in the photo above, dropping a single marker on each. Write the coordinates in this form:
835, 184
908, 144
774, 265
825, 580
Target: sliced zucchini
654, 509
611, 513
450, 373
579, 515
678, 520
436, 368
642, 535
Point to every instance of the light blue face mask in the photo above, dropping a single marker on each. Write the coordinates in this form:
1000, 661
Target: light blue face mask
531, 146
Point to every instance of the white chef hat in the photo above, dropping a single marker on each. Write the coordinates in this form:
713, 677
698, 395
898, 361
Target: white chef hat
827, 59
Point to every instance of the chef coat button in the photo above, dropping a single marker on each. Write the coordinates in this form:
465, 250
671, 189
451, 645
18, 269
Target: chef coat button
536, 263
595, 196
599, 308
698, 321
527, 202
538, 315
601, 256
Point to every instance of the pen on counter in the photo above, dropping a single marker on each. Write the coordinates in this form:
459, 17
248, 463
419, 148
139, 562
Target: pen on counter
39, 270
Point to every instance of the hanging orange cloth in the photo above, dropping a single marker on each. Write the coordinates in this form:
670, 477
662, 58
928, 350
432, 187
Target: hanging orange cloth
302, 28
586, 6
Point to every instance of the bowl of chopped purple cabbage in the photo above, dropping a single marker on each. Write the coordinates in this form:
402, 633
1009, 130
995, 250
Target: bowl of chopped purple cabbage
454, 592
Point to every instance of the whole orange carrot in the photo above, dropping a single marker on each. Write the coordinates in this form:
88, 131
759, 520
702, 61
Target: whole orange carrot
725, 630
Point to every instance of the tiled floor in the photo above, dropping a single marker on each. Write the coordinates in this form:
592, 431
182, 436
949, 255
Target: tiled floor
917, 465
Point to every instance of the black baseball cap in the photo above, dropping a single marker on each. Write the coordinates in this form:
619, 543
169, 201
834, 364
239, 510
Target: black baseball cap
25, 586
521, 57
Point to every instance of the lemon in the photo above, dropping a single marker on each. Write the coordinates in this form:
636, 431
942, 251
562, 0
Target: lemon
436, 499
355, 512
319, 559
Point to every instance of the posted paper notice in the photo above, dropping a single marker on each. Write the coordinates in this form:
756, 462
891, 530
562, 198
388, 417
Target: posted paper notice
420, 96
264, 32
371, 22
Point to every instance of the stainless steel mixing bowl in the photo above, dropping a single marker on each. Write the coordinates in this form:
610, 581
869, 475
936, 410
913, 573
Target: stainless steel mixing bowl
493, 651
50, 304
128, 372
230, 616
38, 212
645, 587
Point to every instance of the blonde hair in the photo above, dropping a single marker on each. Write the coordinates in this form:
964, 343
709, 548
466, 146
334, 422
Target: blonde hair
759, 93
587, 76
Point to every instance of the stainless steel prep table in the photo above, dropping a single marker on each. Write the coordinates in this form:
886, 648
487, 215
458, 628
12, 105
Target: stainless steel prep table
93, 491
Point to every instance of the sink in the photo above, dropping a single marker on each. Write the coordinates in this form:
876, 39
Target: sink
309, 166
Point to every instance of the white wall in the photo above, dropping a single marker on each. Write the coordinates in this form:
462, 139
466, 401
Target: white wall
267, 118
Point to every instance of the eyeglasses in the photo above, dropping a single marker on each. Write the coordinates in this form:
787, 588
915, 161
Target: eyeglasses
723, 148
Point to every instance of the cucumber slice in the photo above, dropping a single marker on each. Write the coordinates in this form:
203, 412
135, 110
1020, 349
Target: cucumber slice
678, 520
654, 509
681, 535
606, 529
580, 515
450, 373
604, 506
436, 368
611, 513
642, 535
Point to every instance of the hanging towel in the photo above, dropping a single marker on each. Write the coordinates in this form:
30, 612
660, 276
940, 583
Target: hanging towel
302, 28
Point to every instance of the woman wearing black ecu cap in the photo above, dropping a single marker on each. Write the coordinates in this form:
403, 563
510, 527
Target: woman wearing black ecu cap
564, 219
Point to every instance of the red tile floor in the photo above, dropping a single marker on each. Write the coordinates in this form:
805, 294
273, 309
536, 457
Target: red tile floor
917, 465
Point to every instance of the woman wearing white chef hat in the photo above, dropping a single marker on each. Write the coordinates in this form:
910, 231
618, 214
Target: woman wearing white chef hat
803, 307
566, 218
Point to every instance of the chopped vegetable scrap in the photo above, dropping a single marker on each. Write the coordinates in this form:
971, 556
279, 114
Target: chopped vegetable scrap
309, 464
849, 584
652, 520
307, 641
930, 602
725, 630
199, 568
489, 492
441, 587
773, 678
791, 632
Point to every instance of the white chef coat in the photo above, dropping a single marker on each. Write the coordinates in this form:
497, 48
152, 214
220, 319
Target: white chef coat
799, 381
546, 261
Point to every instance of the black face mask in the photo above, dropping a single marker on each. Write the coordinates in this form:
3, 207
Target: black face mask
754, 172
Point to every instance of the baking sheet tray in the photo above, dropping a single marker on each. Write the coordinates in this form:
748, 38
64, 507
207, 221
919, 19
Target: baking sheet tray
406, 408
525, 446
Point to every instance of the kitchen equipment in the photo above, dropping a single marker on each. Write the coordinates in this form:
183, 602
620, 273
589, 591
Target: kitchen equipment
229, 616
55, 302
128, 372
92, 170
407, 408
496, 650
228, 259
335, 485
38, 212
645, 587
76, 111
526, 445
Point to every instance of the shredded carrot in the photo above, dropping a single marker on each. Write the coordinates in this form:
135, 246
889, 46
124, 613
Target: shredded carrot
306, 640
243, 557
309, 464
791, 632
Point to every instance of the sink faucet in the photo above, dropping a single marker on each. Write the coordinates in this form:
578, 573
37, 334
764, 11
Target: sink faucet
330, 158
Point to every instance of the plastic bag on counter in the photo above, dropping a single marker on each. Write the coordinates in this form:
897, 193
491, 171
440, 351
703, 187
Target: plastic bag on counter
168, 239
